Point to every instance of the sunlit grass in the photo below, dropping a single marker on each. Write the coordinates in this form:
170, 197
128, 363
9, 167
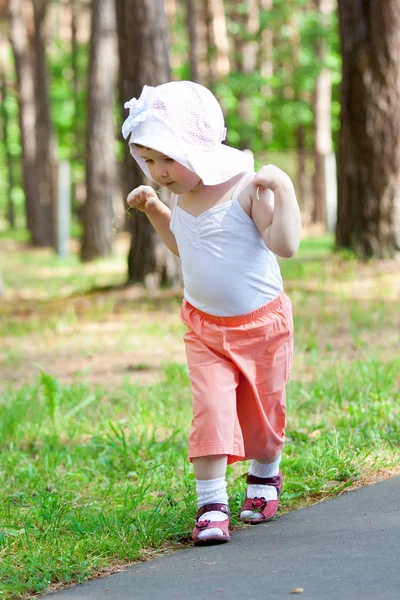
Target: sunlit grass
40, 274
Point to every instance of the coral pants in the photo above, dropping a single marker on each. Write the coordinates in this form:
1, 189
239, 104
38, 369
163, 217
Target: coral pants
238, 369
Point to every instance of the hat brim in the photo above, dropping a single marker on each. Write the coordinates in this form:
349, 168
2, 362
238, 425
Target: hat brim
221, 164
213, 166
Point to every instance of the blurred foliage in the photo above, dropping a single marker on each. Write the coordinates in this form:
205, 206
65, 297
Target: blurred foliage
297, 30
68, 111
276, 105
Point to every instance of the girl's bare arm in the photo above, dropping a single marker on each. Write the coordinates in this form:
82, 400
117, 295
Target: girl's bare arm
144, 198
276, 216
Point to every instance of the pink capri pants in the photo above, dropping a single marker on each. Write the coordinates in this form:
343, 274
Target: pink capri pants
238, 368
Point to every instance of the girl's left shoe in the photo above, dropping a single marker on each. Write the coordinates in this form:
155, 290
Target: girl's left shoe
267, 508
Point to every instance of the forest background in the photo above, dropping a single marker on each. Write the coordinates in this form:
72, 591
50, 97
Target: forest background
276, 73
275, 66
95, 398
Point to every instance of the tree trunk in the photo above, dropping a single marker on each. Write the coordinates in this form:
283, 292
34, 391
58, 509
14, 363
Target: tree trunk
266, 47
75, 70
299, 95
44, 135
144, 60
191, 21
238, 19
303, 180
2, 288
217, 37
26, 115
10, 213
100, 135
322, 120
322, 142
251, 46
202, 42
248, 15
369, 142
265, 61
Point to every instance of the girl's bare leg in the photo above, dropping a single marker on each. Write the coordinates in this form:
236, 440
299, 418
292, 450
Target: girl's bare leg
210, 467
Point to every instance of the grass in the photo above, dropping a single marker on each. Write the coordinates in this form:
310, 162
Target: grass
95, 408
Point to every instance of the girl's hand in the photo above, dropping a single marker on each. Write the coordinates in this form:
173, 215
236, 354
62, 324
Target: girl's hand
271, 177
143, 198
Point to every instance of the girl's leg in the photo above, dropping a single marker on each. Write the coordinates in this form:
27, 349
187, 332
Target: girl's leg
211, 489
209, 467
262, 468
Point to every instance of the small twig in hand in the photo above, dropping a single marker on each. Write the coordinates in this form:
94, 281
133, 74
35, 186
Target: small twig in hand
128, 213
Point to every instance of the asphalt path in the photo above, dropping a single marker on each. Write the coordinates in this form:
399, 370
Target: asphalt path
346, 548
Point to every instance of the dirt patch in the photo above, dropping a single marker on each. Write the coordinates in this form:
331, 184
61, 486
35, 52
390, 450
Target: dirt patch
371, 477
105, 338
116, 334
129, 333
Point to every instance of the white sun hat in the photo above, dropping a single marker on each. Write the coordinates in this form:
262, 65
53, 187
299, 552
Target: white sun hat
184, 121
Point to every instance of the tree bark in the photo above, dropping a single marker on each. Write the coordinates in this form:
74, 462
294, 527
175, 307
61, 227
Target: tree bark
248, 62
217, 37
10, 213
266, 47
369, 141
27, 117
322, 120
202, 42
75, 69
100, 136
238, 18
303, 180
2, 288
44, 134
251, 45
144, 60
191, 22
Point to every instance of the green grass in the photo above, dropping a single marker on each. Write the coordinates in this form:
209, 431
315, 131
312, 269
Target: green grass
95, 474
315, 261
91, 478
55, 277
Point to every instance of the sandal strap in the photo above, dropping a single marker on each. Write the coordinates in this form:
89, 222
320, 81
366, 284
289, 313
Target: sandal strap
273, 481
224, 508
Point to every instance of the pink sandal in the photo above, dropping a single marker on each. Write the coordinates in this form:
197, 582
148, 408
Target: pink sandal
268, 508
207, 524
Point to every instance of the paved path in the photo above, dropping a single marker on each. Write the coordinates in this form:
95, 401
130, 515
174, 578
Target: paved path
347, 548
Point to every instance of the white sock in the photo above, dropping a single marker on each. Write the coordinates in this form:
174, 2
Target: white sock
210, 491
269, 492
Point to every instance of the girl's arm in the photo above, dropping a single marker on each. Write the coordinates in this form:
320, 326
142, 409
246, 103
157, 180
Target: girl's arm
145, 199
275, 211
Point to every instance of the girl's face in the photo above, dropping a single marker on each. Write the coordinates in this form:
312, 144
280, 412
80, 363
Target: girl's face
169, 173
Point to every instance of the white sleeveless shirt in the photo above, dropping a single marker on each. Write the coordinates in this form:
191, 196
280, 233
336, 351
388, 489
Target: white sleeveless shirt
227, 268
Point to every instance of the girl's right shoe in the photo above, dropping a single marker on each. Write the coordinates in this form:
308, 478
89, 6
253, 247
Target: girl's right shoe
206, 531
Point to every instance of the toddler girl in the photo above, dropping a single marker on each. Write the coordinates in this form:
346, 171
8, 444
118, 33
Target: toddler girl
226, 224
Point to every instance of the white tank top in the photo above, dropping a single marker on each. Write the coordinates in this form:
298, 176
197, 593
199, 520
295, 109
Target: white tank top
227, 268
